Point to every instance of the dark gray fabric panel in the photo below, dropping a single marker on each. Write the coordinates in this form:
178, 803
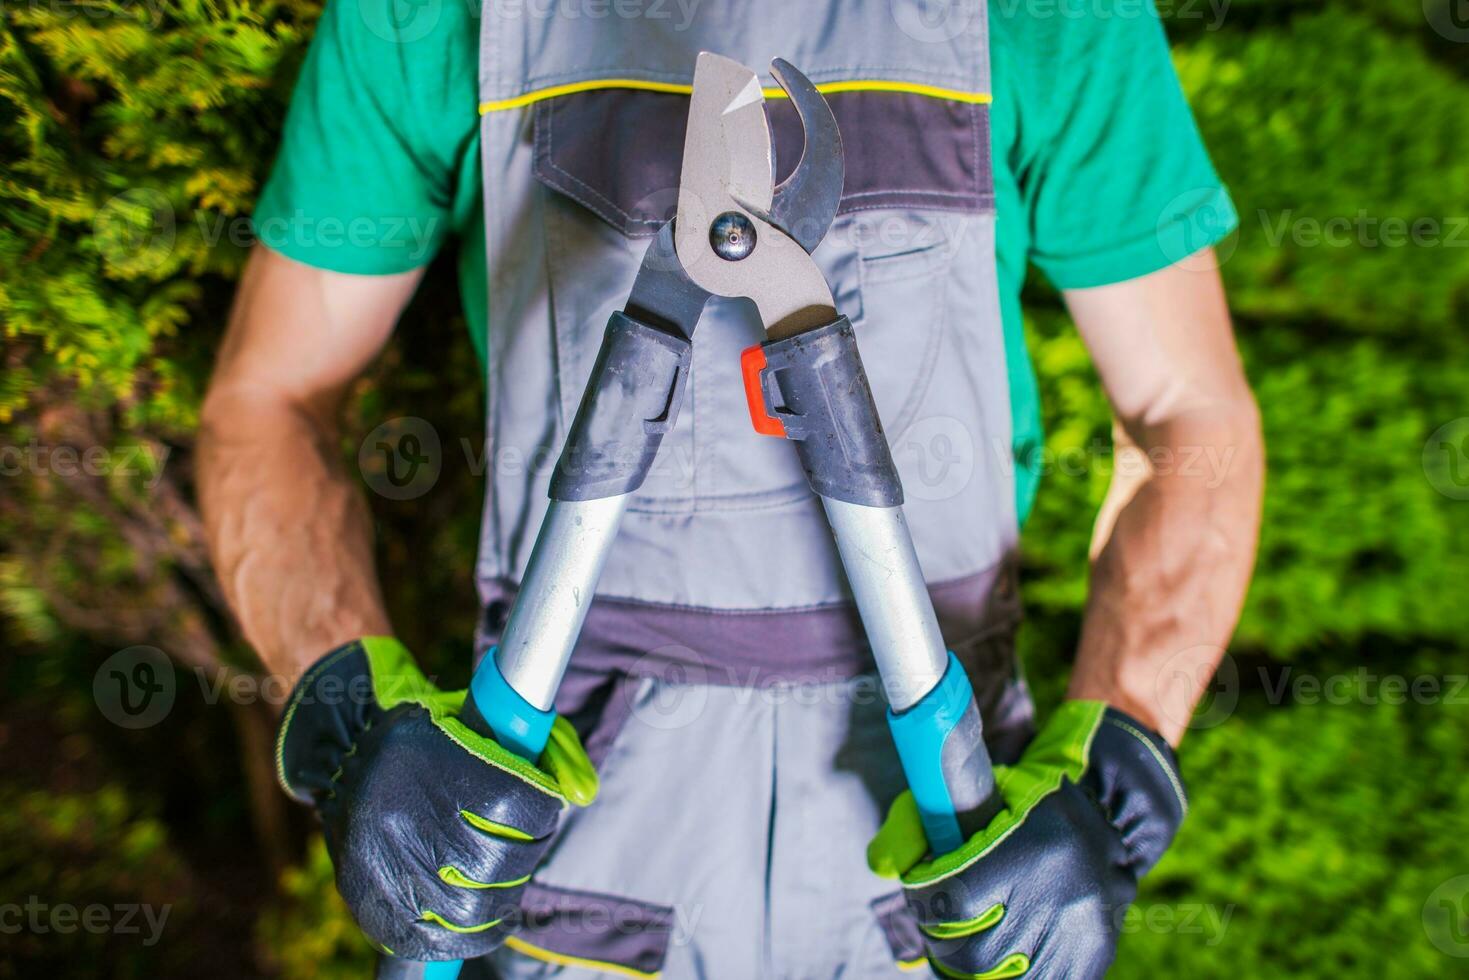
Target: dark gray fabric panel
618, 152
623, 641
596, 927
977, 614
899, 927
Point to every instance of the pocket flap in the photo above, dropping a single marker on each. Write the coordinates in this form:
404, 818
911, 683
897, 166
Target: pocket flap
618, 152
598, 932
900, 929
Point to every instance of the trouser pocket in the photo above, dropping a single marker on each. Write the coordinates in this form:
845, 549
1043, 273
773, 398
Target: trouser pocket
564, 932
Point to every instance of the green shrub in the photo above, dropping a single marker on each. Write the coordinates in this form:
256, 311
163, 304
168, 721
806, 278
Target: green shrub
1330, 120
1323, 830
310, 934
136, 136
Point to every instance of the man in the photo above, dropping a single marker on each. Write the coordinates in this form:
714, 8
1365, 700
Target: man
721, 686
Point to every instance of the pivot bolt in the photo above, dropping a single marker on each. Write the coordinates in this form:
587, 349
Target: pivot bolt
732, 236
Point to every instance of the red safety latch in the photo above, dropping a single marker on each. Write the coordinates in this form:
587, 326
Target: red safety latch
752, 366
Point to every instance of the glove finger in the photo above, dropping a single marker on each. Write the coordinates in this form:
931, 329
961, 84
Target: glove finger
900, 842
428, 940
987, 944
467, 911
1070, 944
504, 805
468, 857
565, 760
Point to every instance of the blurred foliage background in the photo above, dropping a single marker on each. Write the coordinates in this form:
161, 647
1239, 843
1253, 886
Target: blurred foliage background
1328, 827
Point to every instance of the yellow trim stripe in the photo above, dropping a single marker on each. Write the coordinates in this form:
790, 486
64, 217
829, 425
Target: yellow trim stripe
826, 88
561, 959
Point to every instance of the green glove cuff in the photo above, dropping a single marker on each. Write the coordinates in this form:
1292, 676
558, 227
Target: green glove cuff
565, 772
1060, 751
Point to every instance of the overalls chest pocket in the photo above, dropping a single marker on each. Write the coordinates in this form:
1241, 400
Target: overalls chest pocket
609, 162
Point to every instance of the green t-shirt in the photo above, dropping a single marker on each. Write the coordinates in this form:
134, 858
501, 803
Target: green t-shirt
1100, 173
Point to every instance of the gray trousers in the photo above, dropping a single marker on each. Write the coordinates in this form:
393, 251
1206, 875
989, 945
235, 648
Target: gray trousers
729, 837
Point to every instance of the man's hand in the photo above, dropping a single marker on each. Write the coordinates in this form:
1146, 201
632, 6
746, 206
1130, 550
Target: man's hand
432, 829
1041, 891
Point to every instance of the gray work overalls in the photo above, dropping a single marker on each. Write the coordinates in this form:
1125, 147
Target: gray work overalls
722, 683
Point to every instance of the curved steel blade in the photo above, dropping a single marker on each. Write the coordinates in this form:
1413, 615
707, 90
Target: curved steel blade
805, 203
663, 295
727, 166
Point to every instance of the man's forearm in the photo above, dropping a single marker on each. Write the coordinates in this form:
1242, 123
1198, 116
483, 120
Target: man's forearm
1172, 556
289, 532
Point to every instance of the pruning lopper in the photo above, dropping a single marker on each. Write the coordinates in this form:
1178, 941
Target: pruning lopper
737, 233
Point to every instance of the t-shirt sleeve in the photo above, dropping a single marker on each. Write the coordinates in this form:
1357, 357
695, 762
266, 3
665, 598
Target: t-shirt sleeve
1113, 170
363, 181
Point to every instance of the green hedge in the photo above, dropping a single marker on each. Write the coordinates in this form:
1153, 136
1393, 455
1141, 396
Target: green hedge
135, 139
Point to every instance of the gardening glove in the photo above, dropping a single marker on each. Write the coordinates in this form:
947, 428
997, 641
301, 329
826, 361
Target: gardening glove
1041, 891
433, 830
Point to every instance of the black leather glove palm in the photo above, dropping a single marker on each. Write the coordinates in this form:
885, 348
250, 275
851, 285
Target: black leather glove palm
1089, 809
433, 830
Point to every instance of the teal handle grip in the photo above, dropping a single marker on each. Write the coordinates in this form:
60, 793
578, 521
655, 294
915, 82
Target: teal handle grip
492, 707
940, 744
